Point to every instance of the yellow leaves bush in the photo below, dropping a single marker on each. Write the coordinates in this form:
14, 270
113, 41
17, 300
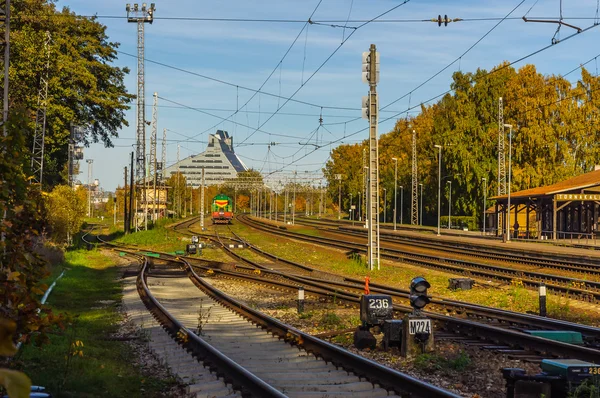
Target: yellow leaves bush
17, 384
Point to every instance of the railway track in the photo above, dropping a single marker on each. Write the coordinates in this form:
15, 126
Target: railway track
303, 274
254, 354
582, 264
490, 328
580, 289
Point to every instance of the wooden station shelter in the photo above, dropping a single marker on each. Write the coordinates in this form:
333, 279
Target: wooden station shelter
563, 210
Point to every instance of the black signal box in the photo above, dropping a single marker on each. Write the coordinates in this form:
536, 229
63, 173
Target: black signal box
191, 248
376, 308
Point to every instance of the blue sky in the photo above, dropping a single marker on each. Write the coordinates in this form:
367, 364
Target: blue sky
245, 53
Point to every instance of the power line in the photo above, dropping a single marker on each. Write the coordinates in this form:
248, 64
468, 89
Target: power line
305, 27
456, 60
223, 119
232, 84
299, 21
448, 91
474, 79
323, 64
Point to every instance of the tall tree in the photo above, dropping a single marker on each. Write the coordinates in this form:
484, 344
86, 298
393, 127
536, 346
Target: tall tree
84, 87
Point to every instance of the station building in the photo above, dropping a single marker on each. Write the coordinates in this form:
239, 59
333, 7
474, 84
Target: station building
219, 161
565, 210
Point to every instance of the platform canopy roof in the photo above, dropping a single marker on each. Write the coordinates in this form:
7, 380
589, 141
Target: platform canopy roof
588, 181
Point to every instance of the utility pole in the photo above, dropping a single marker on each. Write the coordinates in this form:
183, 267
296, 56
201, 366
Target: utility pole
285, 205
365, 170
421, 205
131, 196
89, 162
414, 205
395, 189
501, 161
125, 225
178, 182
202, 201
370, 75
163, 165
294, 202
321, 206
37, 152
153, 162
484, 201
339, 178
140, 16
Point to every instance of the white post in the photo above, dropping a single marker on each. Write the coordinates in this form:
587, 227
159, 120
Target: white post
439, 147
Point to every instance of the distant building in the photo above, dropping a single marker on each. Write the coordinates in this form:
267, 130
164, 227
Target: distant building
219, 162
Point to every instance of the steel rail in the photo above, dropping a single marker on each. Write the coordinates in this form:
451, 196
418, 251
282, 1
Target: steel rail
247, 382
581, 264
236, 375
373, 371
591, 334
569, 286
450, 324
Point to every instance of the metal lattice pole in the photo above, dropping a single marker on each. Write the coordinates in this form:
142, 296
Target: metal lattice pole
90, 162
163, 166
372, 75
414, 204
140, 16
178, 185
202, 201
37, 152
153, 170
501, 157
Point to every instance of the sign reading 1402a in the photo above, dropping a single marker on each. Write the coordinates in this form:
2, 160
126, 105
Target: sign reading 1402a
419, 326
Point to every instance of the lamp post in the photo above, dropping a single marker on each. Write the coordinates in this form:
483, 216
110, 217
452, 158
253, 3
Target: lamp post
384, 205
294, 200
89, 162
351, 218
449, 203
439, 147
509, 178
484, 201
421, 205
339, 178
401, 204
395, 189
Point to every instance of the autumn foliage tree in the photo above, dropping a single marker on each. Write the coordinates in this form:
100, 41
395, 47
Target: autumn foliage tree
66, 212
555, 133
84, 87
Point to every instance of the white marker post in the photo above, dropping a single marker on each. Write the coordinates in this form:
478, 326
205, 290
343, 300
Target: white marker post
542, 299
300, 300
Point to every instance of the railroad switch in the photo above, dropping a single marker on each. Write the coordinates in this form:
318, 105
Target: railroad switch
559, 378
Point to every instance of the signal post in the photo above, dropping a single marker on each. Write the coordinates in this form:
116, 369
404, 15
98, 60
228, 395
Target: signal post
370, 75
417, 330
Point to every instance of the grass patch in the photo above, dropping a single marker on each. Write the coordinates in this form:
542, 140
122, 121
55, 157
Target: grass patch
432, 362
513, 297
104, 368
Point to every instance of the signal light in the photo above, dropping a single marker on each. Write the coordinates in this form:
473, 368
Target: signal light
418, 293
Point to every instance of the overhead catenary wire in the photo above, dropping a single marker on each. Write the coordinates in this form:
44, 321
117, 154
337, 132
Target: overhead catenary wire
279, 64
456, 60
444, 93
239, 86
325, 62
301, 21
